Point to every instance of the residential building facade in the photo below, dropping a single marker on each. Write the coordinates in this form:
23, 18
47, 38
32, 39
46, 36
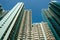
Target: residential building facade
52, 16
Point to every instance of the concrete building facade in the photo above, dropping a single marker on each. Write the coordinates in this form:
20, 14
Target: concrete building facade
9, 24
25, 27
41, 31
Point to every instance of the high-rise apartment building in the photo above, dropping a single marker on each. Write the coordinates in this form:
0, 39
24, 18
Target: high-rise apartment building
25, 27
52, 16
41, 31
17, 25
10, 23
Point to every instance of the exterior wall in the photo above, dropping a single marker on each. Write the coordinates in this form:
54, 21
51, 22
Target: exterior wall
41, 31
25, 27
48, 33
2, 12
10, 23
51, 15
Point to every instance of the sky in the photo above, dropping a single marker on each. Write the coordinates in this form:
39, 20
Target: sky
35, 5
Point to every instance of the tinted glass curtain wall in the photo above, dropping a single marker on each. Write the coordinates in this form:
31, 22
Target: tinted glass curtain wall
52, 16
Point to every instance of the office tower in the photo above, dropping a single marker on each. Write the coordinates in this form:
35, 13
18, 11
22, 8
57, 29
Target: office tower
41, 31
52, 16
25, 27
10, 23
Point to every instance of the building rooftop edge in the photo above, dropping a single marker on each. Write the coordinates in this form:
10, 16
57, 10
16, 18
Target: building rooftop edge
39, 23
